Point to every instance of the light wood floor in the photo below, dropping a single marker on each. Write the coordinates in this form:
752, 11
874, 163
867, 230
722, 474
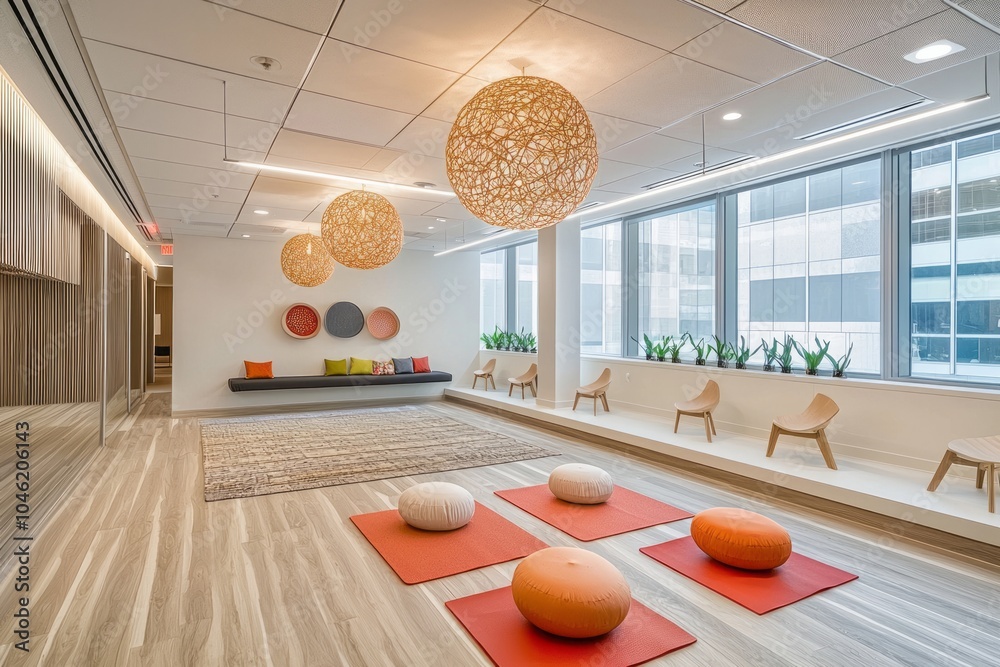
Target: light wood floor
136, 569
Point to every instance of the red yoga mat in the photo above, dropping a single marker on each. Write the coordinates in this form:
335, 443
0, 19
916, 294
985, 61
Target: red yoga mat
511, 641
624, 512
422, 555
759, 592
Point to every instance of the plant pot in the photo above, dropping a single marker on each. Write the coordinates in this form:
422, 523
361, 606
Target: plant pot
740, 365
661, 358
649, 357
675, 360
699, 362
838, 374
786, 370
769, 368
722, 363
812, 371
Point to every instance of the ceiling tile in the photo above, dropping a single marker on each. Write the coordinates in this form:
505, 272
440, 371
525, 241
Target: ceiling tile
651, 95
193, 204
411, 169
410, 206
305, 14
653, 150
987, 10
663, 23
880, 102
370, 77
423, 136
156, 186
383, 158
343, 119
634, 184
883, 57
450, 211
613, 132
609, 171
183, 151
274, 194
721, 5
832, 26
190, 216
207, 179
582, 57
446, 107
170, 119
192, 31
277, 215
957, 83
139, 76
309, 147
745, 53
450, 34
712, 158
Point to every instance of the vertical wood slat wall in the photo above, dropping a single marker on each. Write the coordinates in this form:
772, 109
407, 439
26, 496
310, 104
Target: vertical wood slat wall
118, 329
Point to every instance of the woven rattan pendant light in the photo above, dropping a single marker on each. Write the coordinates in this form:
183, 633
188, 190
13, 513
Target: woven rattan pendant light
522, 153
305, 260
362, 230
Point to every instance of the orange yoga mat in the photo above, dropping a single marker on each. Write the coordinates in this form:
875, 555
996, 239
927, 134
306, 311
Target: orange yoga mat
759, 592
422, 555
511, 641
625, 511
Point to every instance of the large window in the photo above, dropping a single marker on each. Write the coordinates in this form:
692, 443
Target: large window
601, 289
527, 287
493, 290
809, 261
508, 284
955, 259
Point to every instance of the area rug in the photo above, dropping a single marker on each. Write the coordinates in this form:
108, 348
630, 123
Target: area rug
417, 555
511, 641
624, 512
760, 592
253, 456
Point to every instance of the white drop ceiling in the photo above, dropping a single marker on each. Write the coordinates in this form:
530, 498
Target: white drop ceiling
368, 89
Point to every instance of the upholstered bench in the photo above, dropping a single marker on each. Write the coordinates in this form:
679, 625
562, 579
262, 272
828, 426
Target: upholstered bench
320, 381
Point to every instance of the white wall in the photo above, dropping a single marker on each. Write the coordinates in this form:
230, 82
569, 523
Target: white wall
892, 422
229, 296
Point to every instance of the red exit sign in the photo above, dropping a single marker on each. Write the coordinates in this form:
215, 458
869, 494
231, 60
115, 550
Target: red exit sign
167, 249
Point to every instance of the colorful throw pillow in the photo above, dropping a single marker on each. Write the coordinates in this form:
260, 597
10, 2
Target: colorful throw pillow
421, 365
403, 366
383, 368
257, 370
361, 366
336, 366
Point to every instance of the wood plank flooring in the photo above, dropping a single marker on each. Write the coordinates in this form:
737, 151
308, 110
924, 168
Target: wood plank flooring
136, 569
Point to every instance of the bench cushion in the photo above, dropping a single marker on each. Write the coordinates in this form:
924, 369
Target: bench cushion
319, 381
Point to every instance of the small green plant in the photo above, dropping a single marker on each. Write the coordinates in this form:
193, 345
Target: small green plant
531, 343
720, 349
700, 348
499, 339
487, 341
673, 349
840, 365
770, 353
522, 341
647, 346
813, 358
742, 352
784, 357
659, 349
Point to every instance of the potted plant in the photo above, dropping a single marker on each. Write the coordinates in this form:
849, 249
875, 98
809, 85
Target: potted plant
770, 353
532, 343
813, 359
721, 351
522, 341
784, 357
487, 341
742, 353
498, 337
699, 349
646, 345
673, 349
840, 365
660, 349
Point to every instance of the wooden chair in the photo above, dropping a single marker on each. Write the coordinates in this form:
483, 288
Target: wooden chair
983, 453
810, 424
700, 406
486, 374
596, 390
528, 378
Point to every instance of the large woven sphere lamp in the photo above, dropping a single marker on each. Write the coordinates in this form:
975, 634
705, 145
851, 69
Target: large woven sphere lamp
362, 230
305, 260
522, 153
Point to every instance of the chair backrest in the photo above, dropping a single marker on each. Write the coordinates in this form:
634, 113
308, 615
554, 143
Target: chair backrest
601, 382
820, 412
709, 397
490, 365
529, 374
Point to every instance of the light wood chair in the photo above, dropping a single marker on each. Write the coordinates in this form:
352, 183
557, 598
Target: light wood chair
983, 453
701, 406
528, 378
596, 390
486, 374
810, 424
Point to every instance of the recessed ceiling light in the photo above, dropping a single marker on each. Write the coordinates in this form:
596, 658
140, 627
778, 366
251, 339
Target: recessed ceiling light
431, 227
261, 211
732, 115
266, 63
933, 51
246, 236
424, 184
441, 220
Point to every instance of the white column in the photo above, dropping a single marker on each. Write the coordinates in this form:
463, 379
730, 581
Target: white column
558, 314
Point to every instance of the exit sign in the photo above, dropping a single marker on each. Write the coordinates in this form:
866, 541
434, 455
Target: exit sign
167, 249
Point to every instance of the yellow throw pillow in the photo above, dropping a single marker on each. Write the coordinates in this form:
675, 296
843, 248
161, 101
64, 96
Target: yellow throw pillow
361, 366
336, 366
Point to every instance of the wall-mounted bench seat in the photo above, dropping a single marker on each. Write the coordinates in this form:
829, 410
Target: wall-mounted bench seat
318, 381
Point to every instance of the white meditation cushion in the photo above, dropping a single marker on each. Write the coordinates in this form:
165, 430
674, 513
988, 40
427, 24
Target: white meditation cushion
581, 483
436, 506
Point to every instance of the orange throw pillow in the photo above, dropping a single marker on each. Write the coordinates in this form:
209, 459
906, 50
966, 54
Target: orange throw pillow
421, 365
258, 369
741, 538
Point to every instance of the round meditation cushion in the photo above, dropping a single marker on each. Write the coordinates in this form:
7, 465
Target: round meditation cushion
581, 483
571, 592
436, 506
741, 538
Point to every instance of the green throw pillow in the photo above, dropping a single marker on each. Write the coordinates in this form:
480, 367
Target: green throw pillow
361, 366
336, 366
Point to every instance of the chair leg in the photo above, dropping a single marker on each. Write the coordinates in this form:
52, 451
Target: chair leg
711, 420
773, 440
576, 401
533, 392
824, 448
980, 474
492, 381
522, 391
475, 379
708, 427
595, 406
604, 400
991, 470
942, 470
677, 421
510, 392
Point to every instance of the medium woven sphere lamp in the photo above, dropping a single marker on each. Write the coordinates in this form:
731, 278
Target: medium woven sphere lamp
305, 260
362, 230
522, 153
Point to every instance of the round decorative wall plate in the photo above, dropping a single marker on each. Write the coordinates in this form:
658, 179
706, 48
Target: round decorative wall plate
344, 320
300, 320
383, 323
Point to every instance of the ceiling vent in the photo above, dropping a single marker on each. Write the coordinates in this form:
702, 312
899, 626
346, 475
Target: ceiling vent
864, 120
588, 205
700, 172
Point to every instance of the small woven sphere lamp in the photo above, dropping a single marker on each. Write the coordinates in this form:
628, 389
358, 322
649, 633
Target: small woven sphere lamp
522, 153
305, 260
362, 230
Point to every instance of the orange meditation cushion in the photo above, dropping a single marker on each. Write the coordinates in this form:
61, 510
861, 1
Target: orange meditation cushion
741, 538
571, 592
